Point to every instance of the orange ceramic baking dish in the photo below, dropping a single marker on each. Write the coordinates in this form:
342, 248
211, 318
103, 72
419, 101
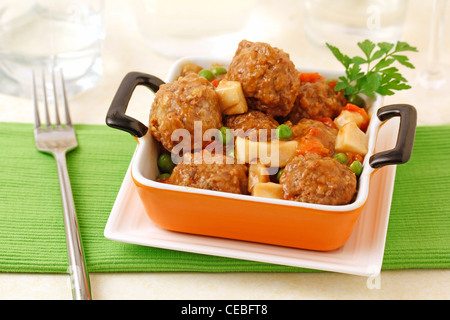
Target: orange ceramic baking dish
244, 217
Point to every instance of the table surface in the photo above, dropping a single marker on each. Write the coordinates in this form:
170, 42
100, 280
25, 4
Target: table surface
281, 23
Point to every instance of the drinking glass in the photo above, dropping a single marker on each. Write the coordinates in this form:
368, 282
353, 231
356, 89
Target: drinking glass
177, 28
346, 22
434, 75
46, 34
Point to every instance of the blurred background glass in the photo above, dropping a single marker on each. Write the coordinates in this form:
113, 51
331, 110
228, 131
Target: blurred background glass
434, 75
346, 22
60, 34
177, 28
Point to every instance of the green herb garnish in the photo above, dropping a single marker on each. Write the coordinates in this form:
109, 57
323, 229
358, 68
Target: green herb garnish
374, 72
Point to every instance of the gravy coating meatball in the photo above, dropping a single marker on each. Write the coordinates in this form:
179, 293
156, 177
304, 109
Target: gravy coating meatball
317, 100
222, 175
179, 104
269, 79
315, 179
251, 122
314, 136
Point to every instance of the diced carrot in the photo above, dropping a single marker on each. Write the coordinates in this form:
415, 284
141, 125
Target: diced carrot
352, 156
312, 146
332, 84
327, 121
311, 143
354, 108
215, 83
311, 77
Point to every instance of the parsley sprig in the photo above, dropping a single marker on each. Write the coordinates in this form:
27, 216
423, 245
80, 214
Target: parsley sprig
373, 72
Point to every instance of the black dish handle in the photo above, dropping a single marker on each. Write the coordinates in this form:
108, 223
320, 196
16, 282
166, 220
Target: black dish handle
116, 117
401, 153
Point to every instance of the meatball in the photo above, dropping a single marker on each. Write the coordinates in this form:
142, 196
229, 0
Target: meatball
314, 136
190, 67
219, 173
269, 79
321, 180
251, 122
181, 103
317, 100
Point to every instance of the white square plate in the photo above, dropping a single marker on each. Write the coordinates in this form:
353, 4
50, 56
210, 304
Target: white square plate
361, 255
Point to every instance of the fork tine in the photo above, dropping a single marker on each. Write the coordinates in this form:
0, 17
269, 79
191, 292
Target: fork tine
37, 121
58, 122
44, 91
66, 103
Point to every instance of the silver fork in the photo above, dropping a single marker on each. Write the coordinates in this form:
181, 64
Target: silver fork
58, 139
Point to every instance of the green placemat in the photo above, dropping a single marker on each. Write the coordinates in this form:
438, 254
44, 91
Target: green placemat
32, 232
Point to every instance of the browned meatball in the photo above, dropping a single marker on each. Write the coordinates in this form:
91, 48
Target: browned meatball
179, 104
190, 67
317, 100
251, 122
269, 79
222, 175
314, 136
321, 180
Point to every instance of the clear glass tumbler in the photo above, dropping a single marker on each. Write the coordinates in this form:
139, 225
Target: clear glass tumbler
345, 22
177, 28
45, 34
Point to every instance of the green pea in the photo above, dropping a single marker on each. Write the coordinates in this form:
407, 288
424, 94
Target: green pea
163, 176
225, 135
356, 167
217, 71
207, 74
356, 100
341, 157
280, 172
165, 163
284, 131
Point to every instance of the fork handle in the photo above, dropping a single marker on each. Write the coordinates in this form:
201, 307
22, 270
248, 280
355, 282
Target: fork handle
77, 264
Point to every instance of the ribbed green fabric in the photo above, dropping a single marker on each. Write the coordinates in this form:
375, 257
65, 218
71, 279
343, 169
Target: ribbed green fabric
32, 232
419, 223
